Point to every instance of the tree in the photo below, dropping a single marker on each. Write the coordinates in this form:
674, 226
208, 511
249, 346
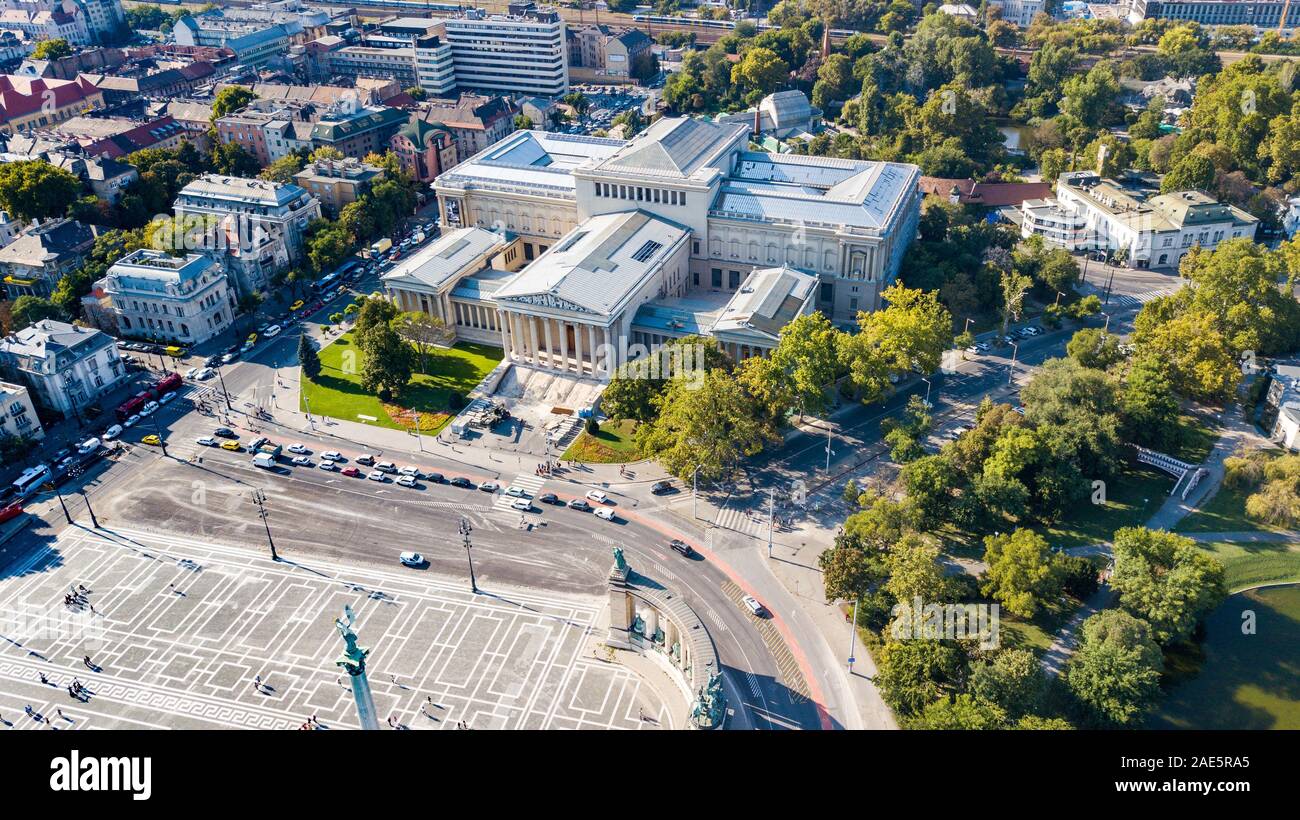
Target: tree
386, 362
326, 152
931, 483
523, 122
1191, 173
231, 99
709, 422
850, 569
27, 310
915, 571
1164, 579
233, 159
35, 189
308, 358
806, 356
1013, 681
1019, 574
1197, 358
55, 49
327, 247
283, 169
760, 71
374, 313
1115, 671
962, 712
1148, 404
1094, 348
1014, 287
248, 305
423, 332
912, 674
910, 332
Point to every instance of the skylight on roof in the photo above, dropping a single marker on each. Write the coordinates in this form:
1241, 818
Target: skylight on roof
647, 250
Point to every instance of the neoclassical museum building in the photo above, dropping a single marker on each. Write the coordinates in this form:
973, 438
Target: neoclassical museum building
577, 253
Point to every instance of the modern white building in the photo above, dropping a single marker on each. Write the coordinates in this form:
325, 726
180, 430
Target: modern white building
173, 298
256, 228
17, 415
522, 52
679, 231
67, 366
1091, 213
1020, 12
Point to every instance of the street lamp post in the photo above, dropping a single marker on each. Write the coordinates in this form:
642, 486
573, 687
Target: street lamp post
927, 390
1057, 303
465, 530
771, 519
94, 522
418, 443
259, 498
1106, 330
55, 487
695, 492
224, 391
162, 442
853, 634
1011, 374
828, 449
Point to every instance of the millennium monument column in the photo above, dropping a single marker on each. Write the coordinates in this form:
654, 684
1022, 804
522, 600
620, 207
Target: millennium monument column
353, 660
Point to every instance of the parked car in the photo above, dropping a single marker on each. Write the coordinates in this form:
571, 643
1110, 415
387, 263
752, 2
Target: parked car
366, 459
599, 496
751, 603
327, 465
273, 330
112, 432
232, 446
411, 559
549, 498
302, 461
298, 447
376, 475
489, 486
580, 505
406, 480
459, 481
661, 487
413, 472
331, 455
436, 478
131, 421
606, 513
206, 441
351, 472
386, 467
151, 439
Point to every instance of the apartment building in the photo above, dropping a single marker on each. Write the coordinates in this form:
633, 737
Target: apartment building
182, 299
474, 120
34, 102
357, 130
44, 253
17, 415
424, 149
522, 52
67, 367
338, 182
1261, 15
607, 51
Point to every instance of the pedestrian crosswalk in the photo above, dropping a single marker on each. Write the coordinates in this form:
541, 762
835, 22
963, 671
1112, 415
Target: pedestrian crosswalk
749, 522
1134, 299
529, 483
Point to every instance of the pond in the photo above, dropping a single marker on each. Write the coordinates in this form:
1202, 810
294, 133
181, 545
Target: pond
1246, 681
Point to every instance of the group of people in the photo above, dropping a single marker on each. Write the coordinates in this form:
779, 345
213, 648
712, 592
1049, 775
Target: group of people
546, 468
311, 723
78, 598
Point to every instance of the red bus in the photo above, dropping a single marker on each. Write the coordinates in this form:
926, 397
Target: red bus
131, 406
169, 383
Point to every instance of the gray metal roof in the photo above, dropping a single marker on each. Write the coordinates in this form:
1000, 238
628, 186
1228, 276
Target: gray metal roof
450, 256
768, 300
674, 147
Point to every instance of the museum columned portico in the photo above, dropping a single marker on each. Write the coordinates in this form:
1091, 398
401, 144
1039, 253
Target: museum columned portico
556, 343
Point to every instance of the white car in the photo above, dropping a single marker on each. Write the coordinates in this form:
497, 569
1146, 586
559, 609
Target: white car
413, 472
375, 475
411, 559
489, 486
517, 492
598, 496
521, 504
331, 455
302, 461
298, 448
205, 373
113, 432
605, 513
328, 465
166, 397
189, 374
406, 480
271, 331
386, 467
148, 408
131, 421
751, 603
206, 441
88, 446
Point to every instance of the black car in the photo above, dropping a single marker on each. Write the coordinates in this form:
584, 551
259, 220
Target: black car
436, 478
661, 487
681, 547
225, 432
460, 481
549, 498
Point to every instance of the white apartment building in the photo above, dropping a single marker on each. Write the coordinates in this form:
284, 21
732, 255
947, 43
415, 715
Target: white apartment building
435, 67
522, 52
173, 298
67, 366
1091, 213
1020, 12
680, 230
17, 415
260, 225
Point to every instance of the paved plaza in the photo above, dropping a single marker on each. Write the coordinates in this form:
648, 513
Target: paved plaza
182, 628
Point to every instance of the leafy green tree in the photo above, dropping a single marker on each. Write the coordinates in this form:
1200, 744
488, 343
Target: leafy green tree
55, 49
850, 568
283, 169
423, 332
35, 189
387, 362
910, 332
27, 310
1019, 574
373, 313
233, 159
760, 71
1150, 408
915, 571
1191, 173
911, 674
806, 355
327, 247
1094, 348
1115, 671
931, 483
231, 99
308, 358
1012, 680
1164, 579
962, 712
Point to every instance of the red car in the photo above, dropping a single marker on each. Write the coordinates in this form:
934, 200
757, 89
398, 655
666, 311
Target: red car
350, 471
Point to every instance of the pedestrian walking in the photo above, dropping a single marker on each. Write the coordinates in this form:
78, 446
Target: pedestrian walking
86, 661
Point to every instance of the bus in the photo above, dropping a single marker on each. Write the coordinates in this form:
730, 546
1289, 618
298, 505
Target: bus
170, 382
341, 271
32, 478
130, 407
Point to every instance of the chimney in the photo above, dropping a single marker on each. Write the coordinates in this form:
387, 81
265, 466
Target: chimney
758, 120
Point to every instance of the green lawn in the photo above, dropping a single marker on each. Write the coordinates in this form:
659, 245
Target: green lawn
1250, 564
1196, 440
613, 444
1132, 497
336, 391
1245, 680
1224, 512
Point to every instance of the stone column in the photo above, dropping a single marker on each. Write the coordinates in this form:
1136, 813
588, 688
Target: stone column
577, 347
550, 351
610, 356
506, 341
532, 339
591, 338
564, 345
